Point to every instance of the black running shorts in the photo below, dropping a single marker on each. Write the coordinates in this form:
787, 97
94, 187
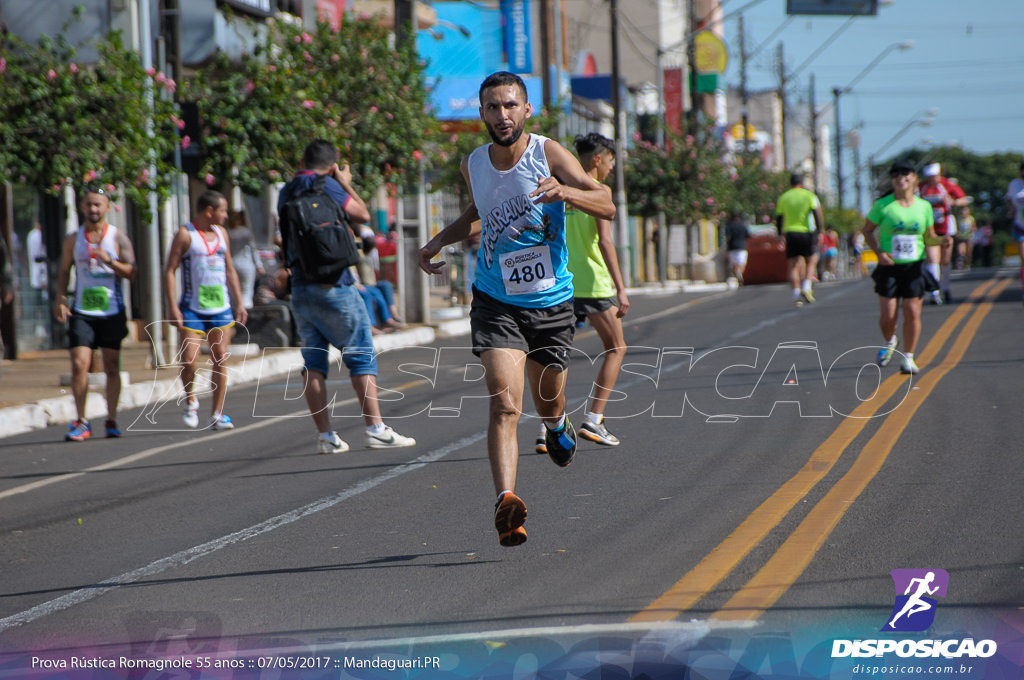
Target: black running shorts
97, 331
800, 244
584, 307
908, 280
544, 334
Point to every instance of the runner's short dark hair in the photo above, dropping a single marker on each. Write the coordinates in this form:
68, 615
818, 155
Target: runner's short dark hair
319, 155
209, 199
593, 142
500, 79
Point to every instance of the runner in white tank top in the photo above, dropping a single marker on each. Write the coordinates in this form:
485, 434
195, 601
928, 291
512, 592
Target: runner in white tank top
203, 252
99, 292
204, 279
103, 258
520, 317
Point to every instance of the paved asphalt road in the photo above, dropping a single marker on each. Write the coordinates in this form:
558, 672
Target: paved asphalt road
770, 473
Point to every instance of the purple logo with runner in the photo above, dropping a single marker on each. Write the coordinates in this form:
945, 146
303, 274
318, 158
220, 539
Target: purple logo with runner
916, 590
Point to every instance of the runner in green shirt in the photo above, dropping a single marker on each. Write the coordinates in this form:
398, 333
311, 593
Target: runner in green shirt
897, 229
599, 293
798, 218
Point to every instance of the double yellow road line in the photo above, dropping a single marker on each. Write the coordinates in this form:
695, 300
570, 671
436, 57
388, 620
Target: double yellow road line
782, 570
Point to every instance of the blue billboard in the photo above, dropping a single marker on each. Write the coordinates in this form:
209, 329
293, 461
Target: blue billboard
515, 18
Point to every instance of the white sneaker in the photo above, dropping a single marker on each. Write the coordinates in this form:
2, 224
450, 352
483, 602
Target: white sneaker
336, 445
221, 422
191, 415
908, 367
388, 439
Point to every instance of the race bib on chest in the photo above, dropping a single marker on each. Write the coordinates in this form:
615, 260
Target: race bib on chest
527, 271
904, 247
211, 297
95, 299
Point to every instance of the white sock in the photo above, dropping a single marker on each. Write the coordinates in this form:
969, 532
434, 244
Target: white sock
327, 436
807, 284
557, 426
593, 418
933, 269
376, 429
796, 293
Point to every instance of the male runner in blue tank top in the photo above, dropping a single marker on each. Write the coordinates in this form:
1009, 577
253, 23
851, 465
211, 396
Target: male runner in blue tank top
522, 311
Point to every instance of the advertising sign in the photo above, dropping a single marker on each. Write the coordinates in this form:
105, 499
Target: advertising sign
842, 7
515, 19
712, 56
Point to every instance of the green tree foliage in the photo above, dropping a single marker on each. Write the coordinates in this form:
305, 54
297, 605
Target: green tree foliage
757, 188
350, 86
984, 177
62, 122
691, 178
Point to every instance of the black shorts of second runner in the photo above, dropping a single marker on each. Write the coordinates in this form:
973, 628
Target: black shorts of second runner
907, 280
801, 244
584, 307
94, 332
544, 334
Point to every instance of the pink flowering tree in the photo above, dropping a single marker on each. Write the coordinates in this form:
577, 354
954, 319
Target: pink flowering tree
687, 178
63, 122
757, 188
351, 86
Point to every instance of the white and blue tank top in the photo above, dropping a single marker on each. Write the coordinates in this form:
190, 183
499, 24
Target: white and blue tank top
98, 290
522, 259
204, 273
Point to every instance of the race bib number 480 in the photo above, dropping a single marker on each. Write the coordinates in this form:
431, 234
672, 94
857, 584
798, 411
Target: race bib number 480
527, 271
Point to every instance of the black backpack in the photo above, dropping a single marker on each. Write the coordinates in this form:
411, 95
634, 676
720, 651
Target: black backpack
319, 230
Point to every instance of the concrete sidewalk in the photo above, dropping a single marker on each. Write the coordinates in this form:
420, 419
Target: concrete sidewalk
32, 396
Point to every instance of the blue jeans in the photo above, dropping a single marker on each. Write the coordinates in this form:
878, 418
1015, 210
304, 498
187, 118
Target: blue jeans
335, 316
376, 305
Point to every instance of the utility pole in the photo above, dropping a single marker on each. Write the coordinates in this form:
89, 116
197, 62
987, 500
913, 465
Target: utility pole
782, 105
545, 51
413, 286
691, 73
814, 135
405, 19
744, 95
857, 179
153, 307
621, 217
836, 92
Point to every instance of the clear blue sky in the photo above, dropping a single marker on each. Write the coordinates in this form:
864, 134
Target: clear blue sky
967, 61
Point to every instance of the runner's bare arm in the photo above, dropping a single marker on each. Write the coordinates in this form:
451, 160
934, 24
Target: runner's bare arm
570, 183
465, 225
67, 258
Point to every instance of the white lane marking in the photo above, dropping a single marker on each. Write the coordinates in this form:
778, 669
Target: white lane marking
185, 556
142, 455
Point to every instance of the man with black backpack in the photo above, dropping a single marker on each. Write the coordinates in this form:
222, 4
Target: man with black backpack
315, 208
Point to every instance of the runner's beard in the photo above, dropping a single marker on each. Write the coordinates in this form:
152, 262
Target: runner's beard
513, 137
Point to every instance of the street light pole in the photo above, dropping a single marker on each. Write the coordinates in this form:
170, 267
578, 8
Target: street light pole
621, 216
836, 92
